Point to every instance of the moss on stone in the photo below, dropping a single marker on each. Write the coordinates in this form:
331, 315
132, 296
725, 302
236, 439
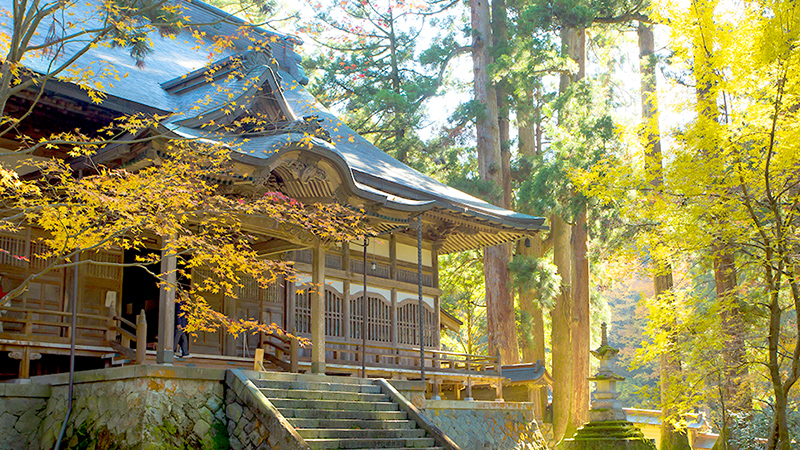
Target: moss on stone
612, 435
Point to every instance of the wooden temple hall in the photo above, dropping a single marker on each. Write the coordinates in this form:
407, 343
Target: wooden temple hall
338, 166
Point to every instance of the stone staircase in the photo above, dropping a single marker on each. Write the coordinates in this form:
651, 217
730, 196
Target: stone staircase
343, 413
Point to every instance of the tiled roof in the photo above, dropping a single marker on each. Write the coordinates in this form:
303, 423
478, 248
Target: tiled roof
172, 59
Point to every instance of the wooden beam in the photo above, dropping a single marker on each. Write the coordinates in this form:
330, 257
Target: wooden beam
276, 246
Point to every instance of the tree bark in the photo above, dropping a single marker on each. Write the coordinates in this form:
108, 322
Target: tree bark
500, 43
533, 348
669, 363
501, 321
580, 321
561, 335
573, 42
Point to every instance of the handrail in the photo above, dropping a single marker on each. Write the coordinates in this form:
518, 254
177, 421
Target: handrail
54, 313
416, 349
293, 351
125, 321
110, 324
390, 357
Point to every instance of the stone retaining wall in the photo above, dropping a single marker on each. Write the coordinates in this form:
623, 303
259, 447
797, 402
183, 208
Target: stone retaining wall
479, 425
22, 408
253, 422
139, 407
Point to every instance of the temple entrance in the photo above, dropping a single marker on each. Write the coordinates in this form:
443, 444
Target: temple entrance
140, 292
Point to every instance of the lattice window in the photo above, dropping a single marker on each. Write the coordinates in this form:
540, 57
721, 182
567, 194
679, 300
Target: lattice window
249, 290
106, 272
273, 293
334, 314
39, 264
411, 276
333, 261
379, 319
12, 251
302, 314
407, 320
304, 256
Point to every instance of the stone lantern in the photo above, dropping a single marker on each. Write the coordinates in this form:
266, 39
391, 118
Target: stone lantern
608, 427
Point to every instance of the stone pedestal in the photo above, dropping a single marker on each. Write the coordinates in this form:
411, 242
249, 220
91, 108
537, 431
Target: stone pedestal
608, 435
608, 428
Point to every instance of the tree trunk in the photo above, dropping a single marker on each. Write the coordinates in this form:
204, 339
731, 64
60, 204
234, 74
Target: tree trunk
532, 314
580, 321
500, 43
561, 340
501, 321
669, 363
736, 393
573, 42
500, 317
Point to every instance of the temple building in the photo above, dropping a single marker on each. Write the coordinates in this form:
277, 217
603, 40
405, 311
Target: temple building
307, 154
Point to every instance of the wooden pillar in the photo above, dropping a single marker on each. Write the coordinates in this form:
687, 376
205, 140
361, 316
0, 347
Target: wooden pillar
435, 265
25, 363
437, 389
394, 318
346, 313
499, 387
318, 309
291, 304
166, 309
141, 338
393, 256
437, 323
229, 341
346, 258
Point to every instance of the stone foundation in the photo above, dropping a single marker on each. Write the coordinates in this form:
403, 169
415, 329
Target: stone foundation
155, 407
22, 409
139, 407
487, 425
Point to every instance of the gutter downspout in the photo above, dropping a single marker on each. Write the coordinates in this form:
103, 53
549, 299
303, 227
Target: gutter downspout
421, 307
73, 328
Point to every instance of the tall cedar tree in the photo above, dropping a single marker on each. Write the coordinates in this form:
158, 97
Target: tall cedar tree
371, 69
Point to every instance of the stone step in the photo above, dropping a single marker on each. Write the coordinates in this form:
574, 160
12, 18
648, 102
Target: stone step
323, 395
355, 433
318, 386
342, 415
301, 377
404, 448
320, 444
388, 424
333, 405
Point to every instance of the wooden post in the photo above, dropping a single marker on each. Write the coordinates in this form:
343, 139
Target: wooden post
25, 363
393, 256
468, 396
394, 337
111, 335
28, 328
317, 297
294, 355
166, 308
141, 338
258, 360
346, 313
499, 370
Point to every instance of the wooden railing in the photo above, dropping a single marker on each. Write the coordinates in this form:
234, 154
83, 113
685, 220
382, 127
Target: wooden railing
121, 338
284, 352
110, 328
408, 358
